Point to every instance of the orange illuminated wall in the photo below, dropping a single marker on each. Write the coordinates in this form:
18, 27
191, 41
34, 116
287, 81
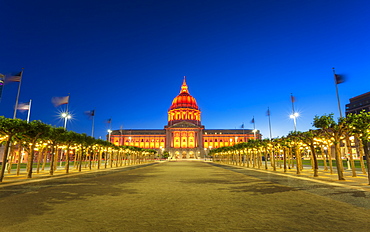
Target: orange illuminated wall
223, 140
143, 141
183, 139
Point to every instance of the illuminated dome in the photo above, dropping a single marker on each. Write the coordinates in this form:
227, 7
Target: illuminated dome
184, 99
184, 108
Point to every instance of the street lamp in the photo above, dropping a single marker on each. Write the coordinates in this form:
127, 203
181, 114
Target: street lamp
254, 133
294, 116
109, 133
66, 115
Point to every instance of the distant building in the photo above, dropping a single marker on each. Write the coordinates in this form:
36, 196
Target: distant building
358, 103
184, 137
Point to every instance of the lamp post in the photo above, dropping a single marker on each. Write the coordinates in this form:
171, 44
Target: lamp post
109, 133
294, 116
254, 133
66, 115
162, 150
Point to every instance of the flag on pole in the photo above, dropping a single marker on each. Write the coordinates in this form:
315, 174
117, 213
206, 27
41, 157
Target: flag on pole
2, 77
242, 126
57, 101
14, 78
268, 112
90, 113
252, 121
109, 120
23, 106
292, 98
339, 79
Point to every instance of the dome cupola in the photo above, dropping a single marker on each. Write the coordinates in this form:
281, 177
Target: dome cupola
184, 99
184, 107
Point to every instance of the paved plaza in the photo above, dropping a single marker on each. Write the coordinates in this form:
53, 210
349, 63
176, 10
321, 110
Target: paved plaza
184, 196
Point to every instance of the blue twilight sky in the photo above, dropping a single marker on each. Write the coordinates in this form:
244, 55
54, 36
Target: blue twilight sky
127, 59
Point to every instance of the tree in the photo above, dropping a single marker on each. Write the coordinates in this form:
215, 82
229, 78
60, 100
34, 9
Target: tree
31, 134
308, 138
361, 126
334, 131
10, 128
55, 136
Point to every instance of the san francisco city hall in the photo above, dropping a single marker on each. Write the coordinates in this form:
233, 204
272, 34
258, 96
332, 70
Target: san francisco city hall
184, 137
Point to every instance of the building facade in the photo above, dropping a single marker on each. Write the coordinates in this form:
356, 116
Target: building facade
358, 103
184, 137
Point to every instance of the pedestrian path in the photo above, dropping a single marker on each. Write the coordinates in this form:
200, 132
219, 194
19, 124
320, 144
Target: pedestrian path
360, 182
13, 179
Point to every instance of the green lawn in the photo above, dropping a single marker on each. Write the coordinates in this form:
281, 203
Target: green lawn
321, 163
47, 165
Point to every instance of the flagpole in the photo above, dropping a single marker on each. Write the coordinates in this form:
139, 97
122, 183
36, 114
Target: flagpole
29, 111
67, 113
336, 88
268, 113
294, 116
16, 100
93, 122
2, 79
254, 128
243, 133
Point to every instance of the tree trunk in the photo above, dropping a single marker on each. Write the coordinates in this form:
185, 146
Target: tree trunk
56, 157
284, 157
367, 155
45, 160
80, 158
11, 158
99, 158
266, 158
39, 158
349, 149
52, 160
32, 154
360, 149
273, 159
90, 158
298, 159
324, 158
5, 157
67, 160
339, 161
19, 161
330, 159
315, 165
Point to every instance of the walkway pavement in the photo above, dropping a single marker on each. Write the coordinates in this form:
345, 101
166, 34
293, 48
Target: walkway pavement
183, 196
13, 179
360, 182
